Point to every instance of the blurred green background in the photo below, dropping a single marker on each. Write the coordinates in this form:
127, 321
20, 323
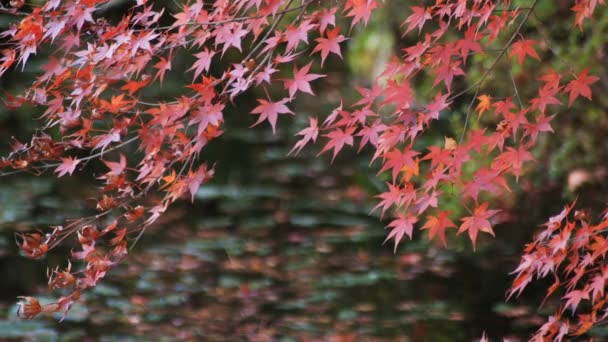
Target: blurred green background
284, 248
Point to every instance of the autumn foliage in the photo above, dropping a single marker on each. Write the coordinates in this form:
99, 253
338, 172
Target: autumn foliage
91, 94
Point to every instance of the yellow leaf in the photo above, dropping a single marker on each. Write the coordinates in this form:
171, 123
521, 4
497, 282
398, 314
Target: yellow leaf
450, 143
169, 179
485, 102
410, 171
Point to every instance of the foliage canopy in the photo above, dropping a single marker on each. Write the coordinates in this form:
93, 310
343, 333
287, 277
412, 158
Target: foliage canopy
95, 95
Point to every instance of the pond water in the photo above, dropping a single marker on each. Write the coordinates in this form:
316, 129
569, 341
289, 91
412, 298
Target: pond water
275, 248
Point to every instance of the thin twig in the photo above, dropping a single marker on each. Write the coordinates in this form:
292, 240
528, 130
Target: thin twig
487, 73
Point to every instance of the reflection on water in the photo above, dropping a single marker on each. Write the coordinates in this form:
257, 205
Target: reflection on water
282, 249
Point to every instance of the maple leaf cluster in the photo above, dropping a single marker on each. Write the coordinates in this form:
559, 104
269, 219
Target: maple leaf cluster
93, 93
571, 250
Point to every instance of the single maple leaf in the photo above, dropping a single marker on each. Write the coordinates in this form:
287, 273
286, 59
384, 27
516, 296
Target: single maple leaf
309, 133
326, 17
524, 47
485, 180
446, 72
478, 222
294, 34
574, 298
551, 79
438, 156
404, 224
370, 134
598, 286
545, 97
203, 62
116, 168
360, 10
163, 66
504, 107
396, 160
133, 85
67, 166
102, 141
398, 93
541, 125
116, 104
270, 111
470, 42
584, 9
580, 86
394, 196
427, 200
417, 19
229, 35
485, 103
369, 95
265, 75
337, 139
300, 81
329, 44
512, 159
439, 103
438, 224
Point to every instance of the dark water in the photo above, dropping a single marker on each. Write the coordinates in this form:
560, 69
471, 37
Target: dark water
276, 248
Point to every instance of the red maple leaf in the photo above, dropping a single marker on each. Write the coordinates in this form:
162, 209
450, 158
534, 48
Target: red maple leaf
133, 85
270, 111
203, 62
329, 44
485, 180
427, 200
294, 34
512, 159
478, 222
309, 133
439, 103
438, 224
163, 66
580, 86
370, 134
116, 168
360, 10
541, 125
551, 79
401, 226
67, 166
393, 196
524, 47
418, 18
300, 81
396, 160
545, 97
574, 298
326, 17
337, 139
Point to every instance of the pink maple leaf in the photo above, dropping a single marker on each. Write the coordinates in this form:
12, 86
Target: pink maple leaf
270, 111
301, 79
401, 226
67, 166
309, 133
329, 44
